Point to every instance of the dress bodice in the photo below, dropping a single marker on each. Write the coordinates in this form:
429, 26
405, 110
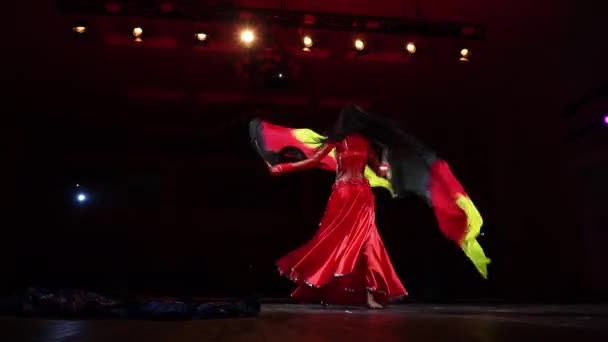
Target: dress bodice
352, 155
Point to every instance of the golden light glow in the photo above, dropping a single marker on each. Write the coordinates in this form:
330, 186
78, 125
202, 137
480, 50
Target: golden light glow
359, 44
79, 29
137, 32
307, 41
201, 36
247, 37
464, 55
410, 48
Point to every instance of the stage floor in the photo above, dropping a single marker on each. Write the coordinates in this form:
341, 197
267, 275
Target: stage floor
300, 323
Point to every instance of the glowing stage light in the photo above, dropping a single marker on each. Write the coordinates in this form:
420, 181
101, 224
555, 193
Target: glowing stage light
79, 29
465, 54
606, 119
137, 33
201, 37
410, 48
81, 197
307, 41
359, 45
247, 37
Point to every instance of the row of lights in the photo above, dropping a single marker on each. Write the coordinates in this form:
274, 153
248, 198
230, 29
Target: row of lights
248, 37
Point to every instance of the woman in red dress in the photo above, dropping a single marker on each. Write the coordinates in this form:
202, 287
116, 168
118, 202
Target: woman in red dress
346, 261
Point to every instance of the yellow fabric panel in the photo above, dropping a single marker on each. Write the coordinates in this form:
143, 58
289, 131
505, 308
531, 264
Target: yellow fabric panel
376, 181
472, 249
308, 137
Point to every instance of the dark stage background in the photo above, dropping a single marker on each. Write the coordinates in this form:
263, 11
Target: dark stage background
181, 205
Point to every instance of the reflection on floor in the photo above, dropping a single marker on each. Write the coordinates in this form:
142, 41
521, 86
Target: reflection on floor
299, 323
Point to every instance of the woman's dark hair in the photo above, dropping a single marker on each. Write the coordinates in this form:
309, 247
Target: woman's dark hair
353, 119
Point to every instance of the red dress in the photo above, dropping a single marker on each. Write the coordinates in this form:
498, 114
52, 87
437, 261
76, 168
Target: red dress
346, 256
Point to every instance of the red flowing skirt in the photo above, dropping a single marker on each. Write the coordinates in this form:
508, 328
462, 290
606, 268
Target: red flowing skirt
346, 256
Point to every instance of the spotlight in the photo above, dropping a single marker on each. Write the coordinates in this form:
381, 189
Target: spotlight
359, 45
410, 48
247, 37
307, 42
137, 33
81, 197
465, 54
201, 37
606, 119
79, 29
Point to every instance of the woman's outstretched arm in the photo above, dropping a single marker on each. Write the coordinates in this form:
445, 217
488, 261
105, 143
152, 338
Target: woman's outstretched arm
321, 153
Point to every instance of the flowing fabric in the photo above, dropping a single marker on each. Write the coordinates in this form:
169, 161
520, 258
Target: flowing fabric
277, 143
415, 169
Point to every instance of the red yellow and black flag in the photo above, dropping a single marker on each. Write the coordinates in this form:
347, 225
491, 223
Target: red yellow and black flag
414, 168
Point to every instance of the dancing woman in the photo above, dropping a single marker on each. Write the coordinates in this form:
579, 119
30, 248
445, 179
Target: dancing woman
345, 261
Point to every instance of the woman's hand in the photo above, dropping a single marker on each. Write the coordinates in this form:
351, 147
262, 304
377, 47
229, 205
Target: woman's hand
385, 167
385, 170
276, 170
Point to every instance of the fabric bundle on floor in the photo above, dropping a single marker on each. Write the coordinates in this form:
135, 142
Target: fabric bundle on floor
75, 303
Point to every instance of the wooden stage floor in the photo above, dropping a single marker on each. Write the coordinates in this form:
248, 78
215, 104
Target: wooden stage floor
299, 323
